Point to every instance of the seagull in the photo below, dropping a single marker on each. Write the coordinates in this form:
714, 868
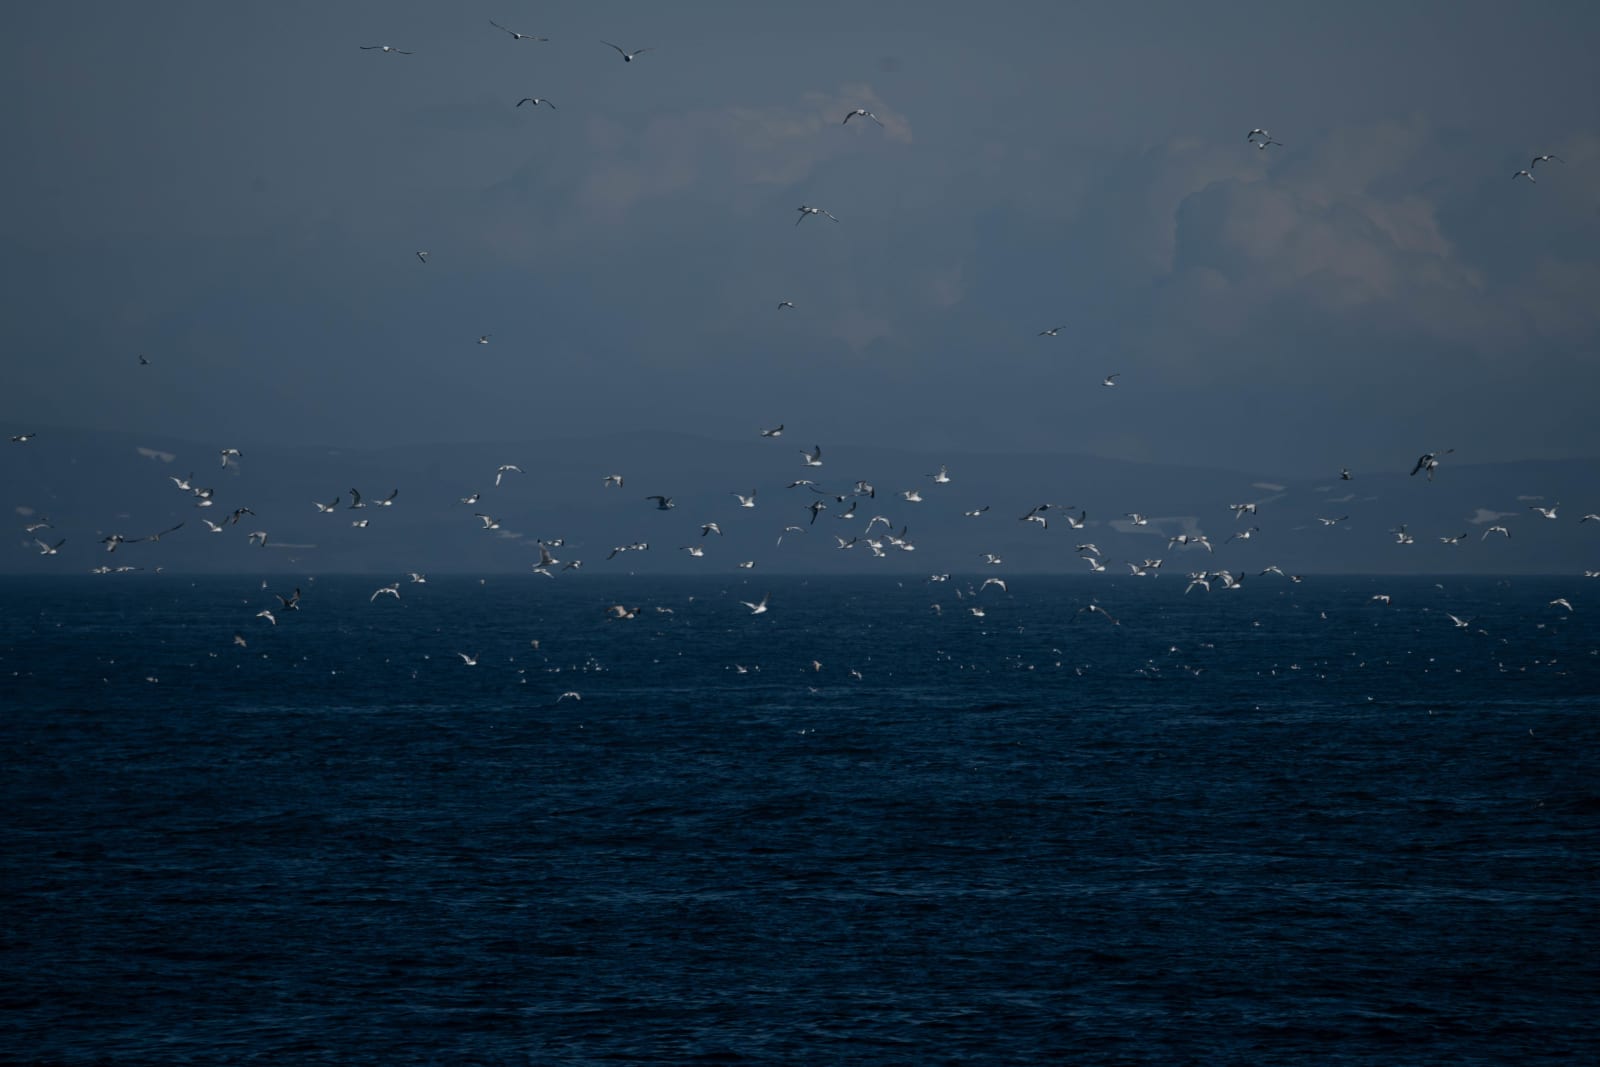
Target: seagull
546, 561
1402, 536
746, 501
1332, 522
1052, 331
1528, 174
805, 211
1251, 136
1561, 602
391, 590
975, 512
515, 36
502, 470
1344, 474
355, 500
214, 527
488, 523
423, 256
1549, 512
386, 48
776, 431
814, 457
1382, 598
758, 608
816, 507
942, 475
535, 101
862, 112
470, 661
258, 537
913, 495
1111, 379
1093, 608
483, 338
388, 501
239, 513
267, 614
418, 578
229, 453
785, 304
987, 582
143, 362
570, 694
621, 611
1456, 540
290, 602
694, 550
1241, 510
1544, 159
1461, 624
662, 502
22, 438
1429, 461
710, 528
611, 481
627, 57
1263, 144
1494, 529
324, 509
473, 499
49, 550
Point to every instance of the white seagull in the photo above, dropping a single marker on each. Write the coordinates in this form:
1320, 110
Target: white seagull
758, 608
515, 36
806, 211
627, 57
535, 101
504, 469
863, 112
386, 48
389, 590
1111, 379
812, 458
776, 431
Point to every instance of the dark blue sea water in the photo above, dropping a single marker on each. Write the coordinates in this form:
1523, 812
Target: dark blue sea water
1285, 824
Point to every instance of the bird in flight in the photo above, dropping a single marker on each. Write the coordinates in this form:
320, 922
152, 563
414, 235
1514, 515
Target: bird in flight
1052, 331
627, 57
812, 458
1544, 159
386, 48
785, 304
776, 431
422, 256
1111, 379
757, 608
806, 211
500, 472
863, 112
663, 503
1528, 174
1429, 461
515, 36
535, 101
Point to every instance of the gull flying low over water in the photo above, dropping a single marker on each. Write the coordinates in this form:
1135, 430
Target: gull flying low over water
806, 211
1549, 512
758, 608
535, 101
1494, 529
386, 48
504, 469
388, 590
627, 57
747, 501
1429, 461
776, 431
470, 661
611, 481
49, 550
864, 113
812, 458
515, 36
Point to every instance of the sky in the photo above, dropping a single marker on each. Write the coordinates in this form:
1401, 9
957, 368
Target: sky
238, 194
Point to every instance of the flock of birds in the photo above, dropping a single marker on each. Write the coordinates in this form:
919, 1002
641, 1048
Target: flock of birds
876, 534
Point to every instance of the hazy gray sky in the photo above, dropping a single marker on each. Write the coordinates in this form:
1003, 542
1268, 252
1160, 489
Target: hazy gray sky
238, 192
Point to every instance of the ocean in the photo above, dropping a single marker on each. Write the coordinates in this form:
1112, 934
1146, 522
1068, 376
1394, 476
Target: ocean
1287, 823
